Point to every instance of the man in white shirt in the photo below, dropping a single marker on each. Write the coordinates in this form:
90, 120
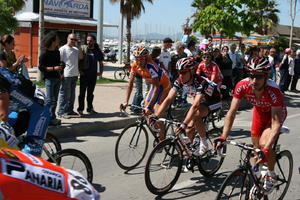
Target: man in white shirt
165, 56
233, 57
69, 54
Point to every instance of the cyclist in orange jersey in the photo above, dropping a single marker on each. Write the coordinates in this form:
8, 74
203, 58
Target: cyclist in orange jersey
152, 73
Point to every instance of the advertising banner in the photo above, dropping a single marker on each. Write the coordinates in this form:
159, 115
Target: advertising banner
70, 8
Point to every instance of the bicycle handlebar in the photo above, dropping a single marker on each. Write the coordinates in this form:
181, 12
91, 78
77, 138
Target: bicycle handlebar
246, 147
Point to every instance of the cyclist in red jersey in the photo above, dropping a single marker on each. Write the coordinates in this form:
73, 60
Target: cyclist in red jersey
269, 112
160, 83
209, 69
24, 176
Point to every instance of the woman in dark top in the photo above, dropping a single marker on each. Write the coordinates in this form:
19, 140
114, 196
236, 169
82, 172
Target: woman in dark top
225, 65
49, 63
7, 56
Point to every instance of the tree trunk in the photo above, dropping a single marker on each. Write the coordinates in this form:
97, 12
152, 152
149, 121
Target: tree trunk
41, 35
128, 36
221, 41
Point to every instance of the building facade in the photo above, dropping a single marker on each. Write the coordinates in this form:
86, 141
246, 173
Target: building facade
64, 17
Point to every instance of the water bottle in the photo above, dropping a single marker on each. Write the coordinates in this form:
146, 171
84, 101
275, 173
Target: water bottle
196, 142
257, 171
185, 139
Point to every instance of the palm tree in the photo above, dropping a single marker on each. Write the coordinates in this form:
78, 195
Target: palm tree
267, 16
130, 9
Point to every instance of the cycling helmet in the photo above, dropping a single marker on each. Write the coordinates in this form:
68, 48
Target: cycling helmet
259, 64
185, 64
288, 50
140, 51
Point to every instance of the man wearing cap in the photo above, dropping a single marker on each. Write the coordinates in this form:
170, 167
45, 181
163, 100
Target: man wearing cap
165, 56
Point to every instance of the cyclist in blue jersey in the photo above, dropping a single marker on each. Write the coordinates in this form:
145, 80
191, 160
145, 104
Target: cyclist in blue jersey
25, 94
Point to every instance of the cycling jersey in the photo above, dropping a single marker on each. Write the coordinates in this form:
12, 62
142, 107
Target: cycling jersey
272, 97
23, 176
151, 71
201, 85
210, 70
24, 93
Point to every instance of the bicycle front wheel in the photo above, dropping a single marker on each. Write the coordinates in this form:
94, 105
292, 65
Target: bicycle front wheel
75, 160
283, 170
236, 186
131, 146
163, 167
52, 145
211, 162
119, 74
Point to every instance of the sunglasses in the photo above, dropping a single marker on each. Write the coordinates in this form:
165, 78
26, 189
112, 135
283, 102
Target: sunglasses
73, 39
256, 76
204, 57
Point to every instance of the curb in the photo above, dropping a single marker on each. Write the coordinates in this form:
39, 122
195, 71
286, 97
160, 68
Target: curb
84, 128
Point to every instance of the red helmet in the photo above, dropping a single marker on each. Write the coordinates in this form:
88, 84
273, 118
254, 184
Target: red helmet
183, 64
259, 64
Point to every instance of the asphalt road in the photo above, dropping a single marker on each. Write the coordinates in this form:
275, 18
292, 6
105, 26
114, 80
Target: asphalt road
115, 184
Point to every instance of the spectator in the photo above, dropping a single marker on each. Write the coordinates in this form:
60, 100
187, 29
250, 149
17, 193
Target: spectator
191, 49
225, 64
180, 101
273, 59
291, 66
283, 67
296, 71
165, 56
179, 47
7, 55
233, 57
186, 38
210, 43
92, 55
50, 65
156, 51
69, 54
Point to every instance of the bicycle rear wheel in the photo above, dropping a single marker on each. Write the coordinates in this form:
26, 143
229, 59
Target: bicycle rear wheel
75, 160
211, 162
120, 74
131, 146
52, 145
284, 171
236, 186
163, 167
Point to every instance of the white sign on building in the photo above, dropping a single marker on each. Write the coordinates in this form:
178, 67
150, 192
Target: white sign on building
70, 8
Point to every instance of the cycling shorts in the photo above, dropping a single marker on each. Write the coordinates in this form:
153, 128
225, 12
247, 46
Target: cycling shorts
262, 121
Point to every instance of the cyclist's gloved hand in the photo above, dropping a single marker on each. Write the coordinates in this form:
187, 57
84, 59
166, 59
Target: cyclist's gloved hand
148, 110
152, 119
263, 155
219, 142
181, 129
123, 106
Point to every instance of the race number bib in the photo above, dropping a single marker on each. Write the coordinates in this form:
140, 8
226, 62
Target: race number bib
209, 90
80, 188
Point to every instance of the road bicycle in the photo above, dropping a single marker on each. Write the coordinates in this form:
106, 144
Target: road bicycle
244, 183
122, 72
52, 150
132, 144
165, 162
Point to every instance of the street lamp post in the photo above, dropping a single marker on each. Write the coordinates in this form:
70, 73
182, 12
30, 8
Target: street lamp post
41, 35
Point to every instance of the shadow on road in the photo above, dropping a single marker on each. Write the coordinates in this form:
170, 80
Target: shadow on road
202, 184
98, 134
100, 188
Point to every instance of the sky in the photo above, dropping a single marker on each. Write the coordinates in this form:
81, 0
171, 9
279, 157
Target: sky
168, 16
